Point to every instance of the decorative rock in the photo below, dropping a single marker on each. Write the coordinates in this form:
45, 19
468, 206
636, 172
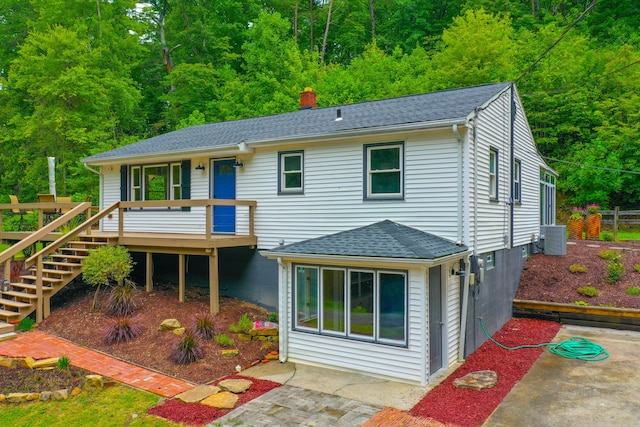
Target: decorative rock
18, 397
45, 395
244, 337
222, 400
271, 356
62, 394
76, 391
169, 325
179, 331
93, 382
26, 362
7, 362
477, 380
230, 353
235, 385
46, 363
198, 393
2, 398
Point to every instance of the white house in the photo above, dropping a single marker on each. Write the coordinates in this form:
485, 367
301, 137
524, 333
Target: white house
384, 229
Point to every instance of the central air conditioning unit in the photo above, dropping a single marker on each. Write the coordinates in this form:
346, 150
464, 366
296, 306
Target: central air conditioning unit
554, 238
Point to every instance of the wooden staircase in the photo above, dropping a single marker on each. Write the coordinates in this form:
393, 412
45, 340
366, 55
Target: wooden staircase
58, 269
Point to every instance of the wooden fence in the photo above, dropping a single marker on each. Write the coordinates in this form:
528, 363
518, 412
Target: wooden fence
616, 217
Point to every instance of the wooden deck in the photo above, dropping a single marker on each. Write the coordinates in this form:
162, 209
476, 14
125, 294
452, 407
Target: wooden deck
181, 244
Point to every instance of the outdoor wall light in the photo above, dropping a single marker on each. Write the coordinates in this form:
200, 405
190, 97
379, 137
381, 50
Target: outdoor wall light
238, 164
200, 166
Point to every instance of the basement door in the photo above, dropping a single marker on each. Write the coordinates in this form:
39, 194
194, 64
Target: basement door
435, 319
224, 187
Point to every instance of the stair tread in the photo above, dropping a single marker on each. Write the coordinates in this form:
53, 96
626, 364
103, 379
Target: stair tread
54, 271
63, 264
20, 294
44, 279
12, 303
7, 313
67, 256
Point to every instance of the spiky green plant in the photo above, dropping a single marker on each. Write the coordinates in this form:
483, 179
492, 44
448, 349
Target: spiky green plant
188, 349
204, 325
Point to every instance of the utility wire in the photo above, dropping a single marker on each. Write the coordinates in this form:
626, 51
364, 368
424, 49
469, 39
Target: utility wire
589, 166
573, 24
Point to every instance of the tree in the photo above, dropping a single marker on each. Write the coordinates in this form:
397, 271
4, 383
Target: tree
106, 265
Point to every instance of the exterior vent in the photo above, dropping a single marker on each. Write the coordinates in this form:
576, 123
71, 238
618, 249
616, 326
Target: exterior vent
555, 239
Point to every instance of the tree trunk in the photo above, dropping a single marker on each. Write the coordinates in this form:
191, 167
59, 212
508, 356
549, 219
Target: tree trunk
326, 32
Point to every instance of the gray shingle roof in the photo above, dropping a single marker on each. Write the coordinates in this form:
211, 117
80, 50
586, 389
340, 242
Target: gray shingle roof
385, 239
424, 108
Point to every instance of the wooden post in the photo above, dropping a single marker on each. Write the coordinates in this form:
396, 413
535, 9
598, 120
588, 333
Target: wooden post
120, 222
149, 272
616, 212
39, 304
214, 298
181, 277
208, 222
7, 269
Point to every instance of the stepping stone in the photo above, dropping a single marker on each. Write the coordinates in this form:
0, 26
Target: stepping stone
222, 400
235, 385
198, 393
477, 380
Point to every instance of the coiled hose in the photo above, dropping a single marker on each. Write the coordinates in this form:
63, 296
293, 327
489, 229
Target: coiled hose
575, 348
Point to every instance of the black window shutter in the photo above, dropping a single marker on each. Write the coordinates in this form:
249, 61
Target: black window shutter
124, 182
185, 181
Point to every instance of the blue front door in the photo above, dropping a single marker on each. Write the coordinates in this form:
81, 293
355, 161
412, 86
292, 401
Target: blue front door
224, 187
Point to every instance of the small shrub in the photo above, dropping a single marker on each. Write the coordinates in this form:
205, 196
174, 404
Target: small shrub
580, 303
633, 290
63, 363
204, 326
615, 269
588, 291
25, 324
122, 299
577, 268
607, 236
607, 254
636, 268
359, 309
188, 349
223, 340
244, 325
121, 329
273, 317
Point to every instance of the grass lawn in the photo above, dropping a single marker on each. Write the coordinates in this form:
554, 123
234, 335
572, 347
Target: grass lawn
117, 405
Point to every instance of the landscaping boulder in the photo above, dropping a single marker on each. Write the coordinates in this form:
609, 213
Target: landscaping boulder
222, 400
235, 385
169, 325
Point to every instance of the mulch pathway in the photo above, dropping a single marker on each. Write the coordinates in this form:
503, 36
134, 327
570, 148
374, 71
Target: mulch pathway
470, 408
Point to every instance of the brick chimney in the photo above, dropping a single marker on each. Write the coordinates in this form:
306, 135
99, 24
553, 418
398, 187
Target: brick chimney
307, 99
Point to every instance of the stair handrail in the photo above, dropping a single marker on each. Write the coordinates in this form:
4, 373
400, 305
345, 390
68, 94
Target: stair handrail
73, 233
36, 236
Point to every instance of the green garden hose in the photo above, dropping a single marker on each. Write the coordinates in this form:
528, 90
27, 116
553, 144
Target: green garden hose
574, 348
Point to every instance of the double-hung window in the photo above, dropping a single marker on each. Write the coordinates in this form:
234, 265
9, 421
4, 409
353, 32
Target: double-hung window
384, 171
353, 303
517, 181
291, 175
493, 174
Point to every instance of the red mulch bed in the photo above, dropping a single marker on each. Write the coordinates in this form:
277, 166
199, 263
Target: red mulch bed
469, 408
195, 414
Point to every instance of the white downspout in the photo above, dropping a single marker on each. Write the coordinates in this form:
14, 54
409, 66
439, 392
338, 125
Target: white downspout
283, 316
457, 135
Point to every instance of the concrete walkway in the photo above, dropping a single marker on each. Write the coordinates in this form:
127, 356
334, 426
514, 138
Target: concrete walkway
566, 392
41, 346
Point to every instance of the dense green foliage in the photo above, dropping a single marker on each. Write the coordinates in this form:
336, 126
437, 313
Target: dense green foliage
77, 78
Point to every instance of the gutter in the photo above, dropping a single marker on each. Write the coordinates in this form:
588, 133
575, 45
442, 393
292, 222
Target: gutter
464, 308
512, 148
283, 317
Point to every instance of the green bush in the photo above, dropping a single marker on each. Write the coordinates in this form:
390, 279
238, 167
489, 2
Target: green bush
223, 340
615, 269
63, 363
273, 317
25, 324
606, 236
244, 325
633, 290
588, 291
636, 268
106, 265
608, 254
577, 268
580, 303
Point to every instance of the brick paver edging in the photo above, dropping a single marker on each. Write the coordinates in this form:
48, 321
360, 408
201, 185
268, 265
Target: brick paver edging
41, 346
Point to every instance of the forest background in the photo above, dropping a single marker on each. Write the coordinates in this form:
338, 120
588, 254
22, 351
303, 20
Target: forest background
78, 77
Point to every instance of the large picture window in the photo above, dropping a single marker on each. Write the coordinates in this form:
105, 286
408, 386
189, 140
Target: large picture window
157, 181
384, 174
291, 177
361, 304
